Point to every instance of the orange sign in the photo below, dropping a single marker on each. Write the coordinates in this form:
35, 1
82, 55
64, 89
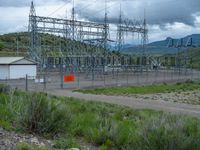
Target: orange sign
69, 78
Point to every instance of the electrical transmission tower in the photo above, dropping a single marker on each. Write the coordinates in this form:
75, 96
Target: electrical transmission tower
63, 27
106, 29
120, 33
144, 41
130, 26
34, 52
77, 43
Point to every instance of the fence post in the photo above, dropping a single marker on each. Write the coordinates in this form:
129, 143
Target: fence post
78, 77
127, 76
117, 78
104, 78
61, 75
45, 81
26, 79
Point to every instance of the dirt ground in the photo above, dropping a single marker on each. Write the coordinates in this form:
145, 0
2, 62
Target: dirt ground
155, 102
189, 97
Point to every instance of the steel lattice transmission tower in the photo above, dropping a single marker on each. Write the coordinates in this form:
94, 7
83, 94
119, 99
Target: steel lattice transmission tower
145, 35
145, 58
34, 53
106, 29
120, 33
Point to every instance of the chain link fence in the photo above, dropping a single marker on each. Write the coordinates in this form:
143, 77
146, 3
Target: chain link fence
102, 77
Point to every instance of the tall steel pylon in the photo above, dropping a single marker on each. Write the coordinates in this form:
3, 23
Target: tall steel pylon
144, 34
144, 58
69, 29
120, 33
131, 26
34, 51
106, 29
73, 20
96, 34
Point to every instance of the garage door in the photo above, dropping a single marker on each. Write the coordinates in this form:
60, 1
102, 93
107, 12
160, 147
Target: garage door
4, 74
20, 71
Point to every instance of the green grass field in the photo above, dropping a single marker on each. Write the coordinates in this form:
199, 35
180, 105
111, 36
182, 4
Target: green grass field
107, 126
149, 89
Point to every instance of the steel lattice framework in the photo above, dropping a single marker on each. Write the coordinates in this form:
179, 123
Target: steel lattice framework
69, 29
75, 34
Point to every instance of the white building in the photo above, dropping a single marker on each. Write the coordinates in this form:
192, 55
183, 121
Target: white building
17, 67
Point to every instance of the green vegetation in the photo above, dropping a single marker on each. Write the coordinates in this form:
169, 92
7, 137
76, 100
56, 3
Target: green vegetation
195, 59
65, 143
22, 40
34, 113
104, 125
26, 146
1, 46
149, 89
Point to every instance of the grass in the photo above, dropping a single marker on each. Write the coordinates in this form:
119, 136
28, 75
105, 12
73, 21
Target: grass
149, 89
26, 146
33, 113
65, 120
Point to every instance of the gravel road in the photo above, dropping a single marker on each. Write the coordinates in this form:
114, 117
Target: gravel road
135, 102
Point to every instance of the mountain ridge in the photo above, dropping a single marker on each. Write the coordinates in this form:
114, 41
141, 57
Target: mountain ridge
161, 47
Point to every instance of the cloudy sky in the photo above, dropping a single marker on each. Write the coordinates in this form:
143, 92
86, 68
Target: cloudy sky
166, 18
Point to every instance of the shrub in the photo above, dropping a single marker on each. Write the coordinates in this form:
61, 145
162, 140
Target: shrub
169, 132
108, 126
41, 114
4, 88
26, 146
35, 113
1, 46
65, 143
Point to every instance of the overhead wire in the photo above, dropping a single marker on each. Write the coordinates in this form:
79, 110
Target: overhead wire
86, 6
56, 10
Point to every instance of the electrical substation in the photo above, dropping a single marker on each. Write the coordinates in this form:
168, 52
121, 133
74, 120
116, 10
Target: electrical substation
87, 54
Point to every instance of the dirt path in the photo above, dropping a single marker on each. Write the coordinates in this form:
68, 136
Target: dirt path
135, 102
187, 97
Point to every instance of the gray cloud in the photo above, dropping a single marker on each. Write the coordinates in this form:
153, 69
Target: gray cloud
160, 13
13, 3
26, 3
157, 11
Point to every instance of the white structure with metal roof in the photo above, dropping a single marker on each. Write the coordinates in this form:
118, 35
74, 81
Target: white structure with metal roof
17, 67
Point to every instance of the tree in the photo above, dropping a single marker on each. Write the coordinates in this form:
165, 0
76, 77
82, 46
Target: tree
1, 46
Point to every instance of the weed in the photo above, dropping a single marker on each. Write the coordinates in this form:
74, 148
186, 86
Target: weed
149, 89
4, 88
26, 146
169, 132
65, 143
105, 125
44, 115
35, 113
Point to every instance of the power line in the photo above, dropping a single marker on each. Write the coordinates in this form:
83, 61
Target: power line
78, 10
56, 10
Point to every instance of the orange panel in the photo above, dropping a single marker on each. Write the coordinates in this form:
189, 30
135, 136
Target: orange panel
69, 78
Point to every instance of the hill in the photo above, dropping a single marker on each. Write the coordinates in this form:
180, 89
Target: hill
161, 47
18, 44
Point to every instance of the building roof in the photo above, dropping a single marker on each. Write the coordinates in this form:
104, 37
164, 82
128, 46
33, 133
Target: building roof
13, 60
